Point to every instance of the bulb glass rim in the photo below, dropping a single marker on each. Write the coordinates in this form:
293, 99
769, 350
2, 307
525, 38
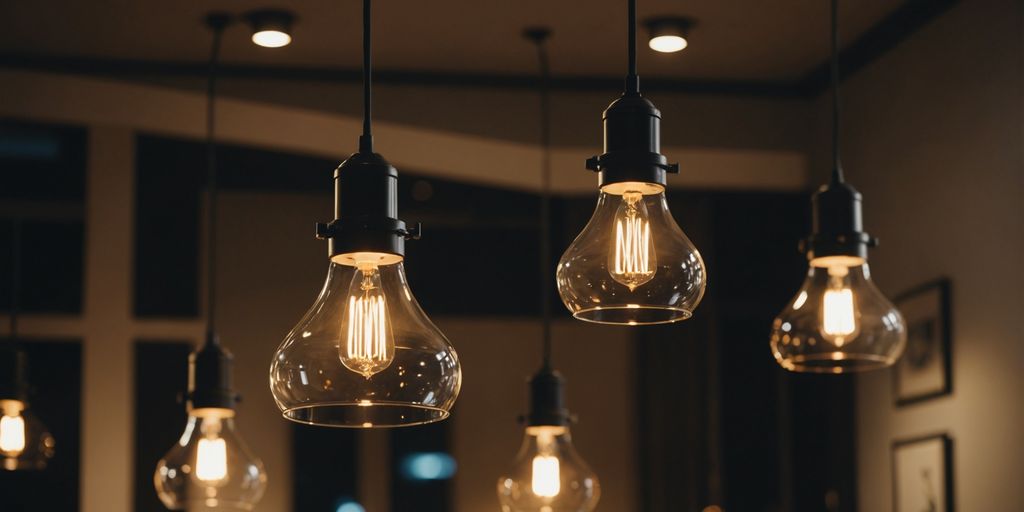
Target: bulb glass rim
682, 314
289, 413
826, 362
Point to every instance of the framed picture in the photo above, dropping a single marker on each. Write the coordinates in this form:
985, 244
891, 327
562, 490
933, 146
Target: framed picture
925, 370
922, 474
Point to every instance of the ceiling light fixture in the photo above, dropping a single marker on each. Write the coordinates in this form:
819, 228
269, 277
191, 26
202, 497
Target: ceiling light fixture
210, 466
839, 321
669, 34
271, 28
548, 474
25, 443
365, 355
631, 264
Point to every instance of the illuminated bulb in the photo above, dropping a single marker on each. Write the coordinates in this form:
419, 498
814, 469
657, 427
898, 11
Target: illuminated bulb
24, 442
838, 312
12, 429
548, 475
668, 44
271, 38
212, 455
631, 264
838, 321
633, 260
210, 466
369, 343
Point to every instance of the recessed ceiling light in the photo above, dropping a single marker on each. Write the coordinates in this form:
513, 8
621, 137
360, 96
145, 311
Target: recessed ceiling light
271, 28
669, 34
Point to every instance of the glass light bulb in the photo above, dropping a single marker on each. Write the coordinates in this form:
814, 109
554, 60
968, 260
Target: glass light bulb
548, 475
210, 467
838, 321
631, 264
365, 355
369, 344
24, 440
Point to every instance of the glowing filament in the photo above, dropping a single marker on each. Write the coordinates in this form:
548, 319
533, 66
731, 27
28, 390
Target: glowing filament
12, 434
547, 481
369, 347
839, 315
212, 460
632, 260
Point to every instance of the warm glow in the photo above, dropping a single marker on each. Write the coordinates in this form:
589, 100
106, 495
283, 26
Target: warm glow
838, 312
12, 433
369, 346
212, 460
271, 38
632, 260
547, 481
668, 44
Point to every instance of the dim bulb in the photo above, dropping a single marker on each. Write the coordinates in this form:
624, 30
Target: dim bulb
631, 264
365, 355
548, 475
838, 321
210, 467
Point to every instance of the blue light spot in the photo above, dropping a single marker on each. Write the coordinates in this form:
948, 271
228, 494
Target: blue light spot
428, 466
350, 506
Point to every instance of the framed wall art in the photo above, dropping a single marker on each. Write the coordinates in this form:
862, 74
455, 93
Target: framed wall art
922, 474
925, 370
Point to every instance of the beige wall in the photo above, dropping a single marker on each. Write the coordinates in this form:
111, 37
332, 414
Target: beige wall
933, 138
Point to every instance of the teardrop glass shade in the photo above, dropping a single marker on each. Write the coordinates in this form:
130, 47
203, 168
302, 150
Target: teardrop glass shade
210, 467
548, 475
631, 264
25, 443
365, 355
838, 322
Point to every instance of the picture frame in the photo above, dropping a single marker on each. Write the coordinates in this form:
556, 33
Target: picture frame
922, 474
926, 369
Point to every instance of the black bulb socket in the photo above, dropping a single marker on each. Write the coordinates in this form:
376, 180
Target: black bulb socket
632, 144
210, 383
13, 372
366, 209
838, 225
547, 400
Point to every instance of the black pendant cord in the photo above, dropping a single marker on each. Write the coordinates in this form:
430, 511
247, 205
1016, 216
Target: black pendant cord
837, 168
15, 279
632, 79
539, 37
217, 25
366, 139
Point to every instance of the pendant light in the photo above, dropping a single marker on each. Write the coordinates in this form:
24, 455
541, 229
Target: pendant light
838, 322
548, 475
631, 264
210, 467
365, 355
25, 443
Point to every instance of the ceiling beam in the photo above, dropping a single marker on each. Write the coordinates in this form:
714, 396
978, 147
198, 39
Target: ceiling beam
465, 158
